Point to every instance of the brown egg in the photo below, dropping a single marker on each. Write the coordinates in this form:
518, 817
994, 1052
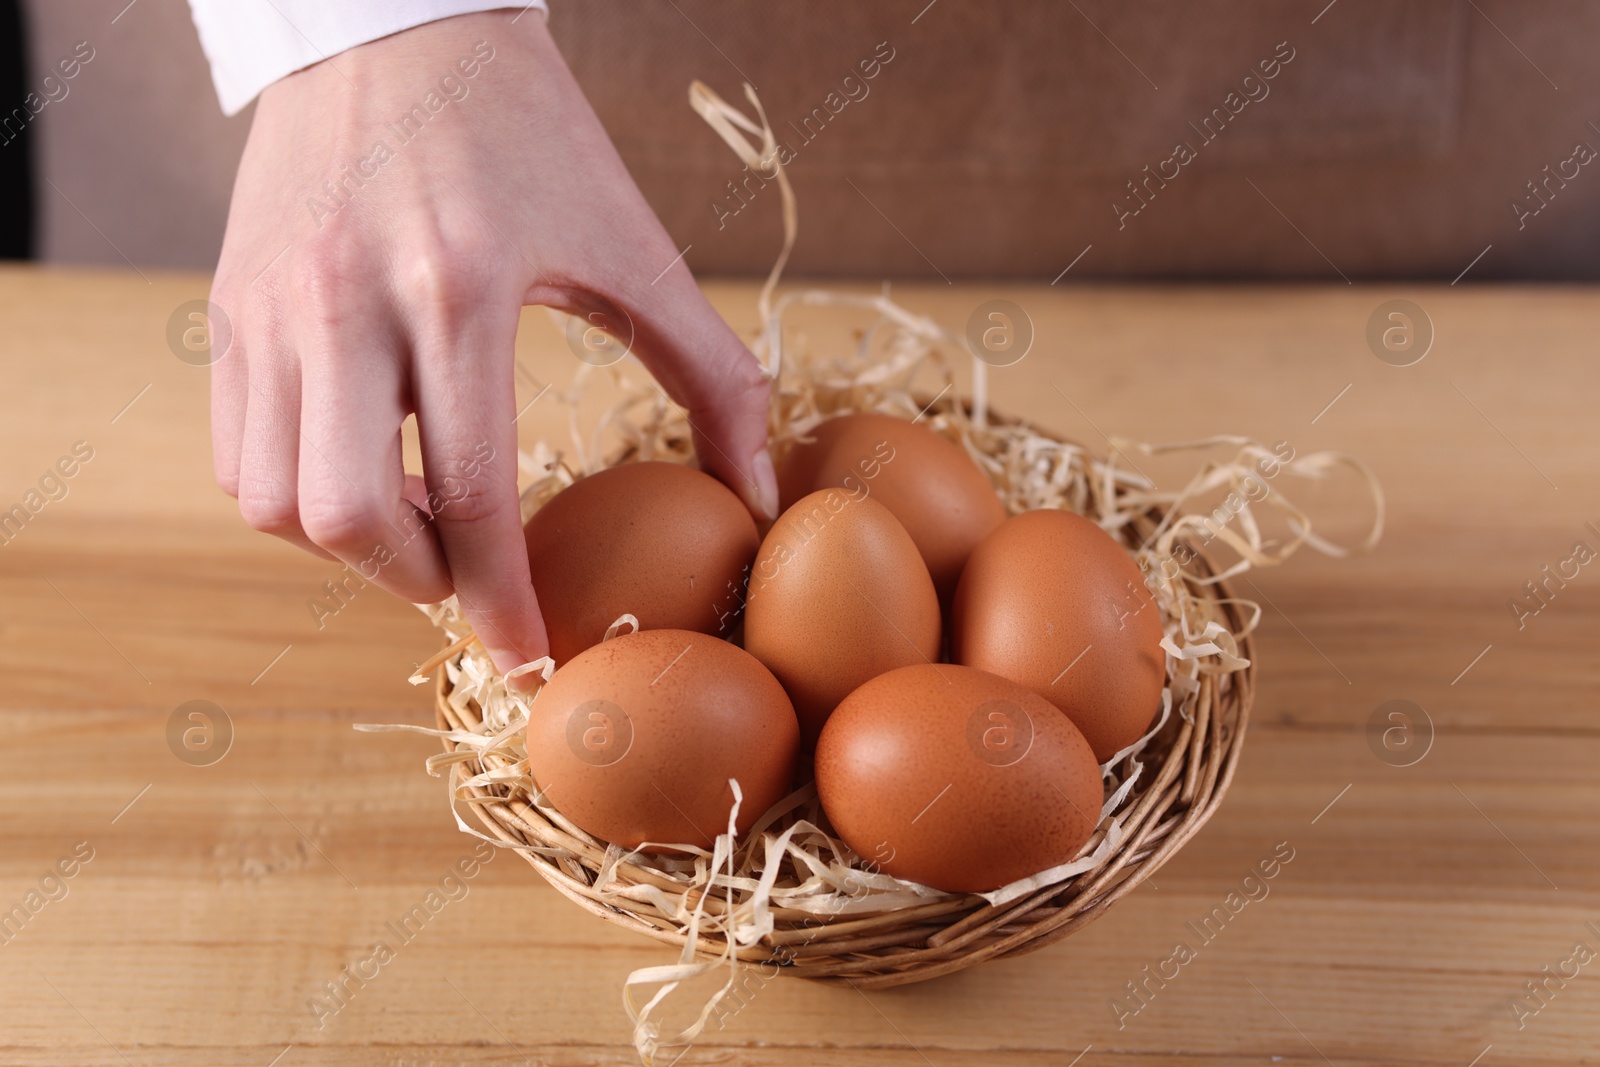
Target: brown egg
945, 502
956, 779
797, 468
661, 541
1052, 601
635, 739
838, 594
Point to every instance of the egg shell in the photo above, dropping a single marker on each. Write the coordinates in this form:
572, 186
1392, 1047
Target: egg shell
635, 739
945, 502
838, 594
666, 543
1054, 602
956, 779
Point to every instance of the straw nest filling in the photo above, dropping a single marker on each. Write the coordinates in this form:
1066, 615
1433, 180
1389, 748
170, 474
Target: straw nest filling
788, 897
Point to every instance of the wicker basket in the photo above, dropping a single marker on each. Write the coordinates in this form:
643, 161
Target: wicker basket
1188, 766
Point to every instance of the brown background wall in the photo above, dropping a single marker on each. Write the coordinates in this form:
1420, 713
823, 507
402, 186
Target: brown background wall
993, 144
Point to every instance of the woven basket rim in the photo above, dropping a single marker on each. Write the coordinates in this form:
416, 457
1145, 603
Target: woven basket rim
1180, 794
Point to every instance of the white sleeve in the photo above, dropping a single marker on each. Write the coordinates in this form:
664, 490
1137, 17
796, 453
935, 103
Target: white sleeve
253, 43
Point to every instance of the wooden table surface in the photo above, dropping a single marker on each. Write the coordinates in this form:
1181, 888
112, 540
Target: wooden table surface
209, 904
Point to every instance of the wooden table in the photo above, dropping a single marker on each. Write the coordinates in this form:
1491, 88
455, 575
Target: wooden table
219, 899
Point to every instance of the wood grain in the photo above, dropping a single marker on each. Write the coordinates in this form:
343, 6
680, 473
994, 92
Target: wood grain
1413, 912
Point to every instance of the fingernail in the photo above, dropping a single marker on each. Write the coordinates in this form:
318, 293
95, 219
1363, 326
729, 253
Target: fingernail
508, 662
766, 484
527, 682
505, 660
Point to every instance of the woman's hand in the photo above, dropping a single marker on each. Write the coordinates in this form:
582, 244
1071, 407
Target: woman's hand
395, 208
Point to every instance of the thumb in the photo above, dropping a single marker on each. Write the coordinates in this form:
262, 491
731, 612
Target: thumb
703, 366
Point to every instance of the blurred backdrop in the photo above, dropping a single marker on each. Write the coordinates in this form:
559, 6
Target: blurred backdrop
1170, 139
